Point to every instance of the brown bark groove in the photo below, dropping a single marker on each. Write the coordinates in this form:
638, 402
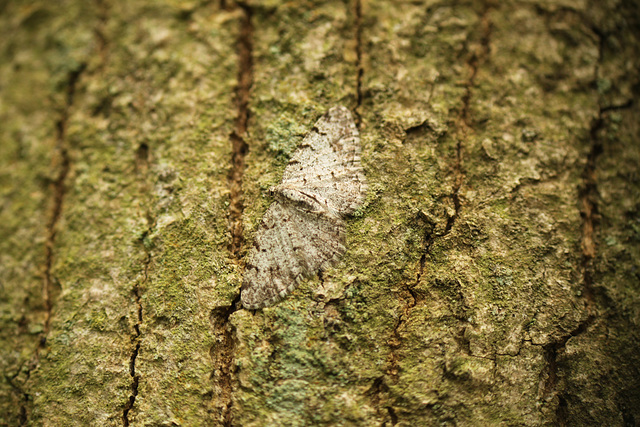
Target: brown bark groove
490, 276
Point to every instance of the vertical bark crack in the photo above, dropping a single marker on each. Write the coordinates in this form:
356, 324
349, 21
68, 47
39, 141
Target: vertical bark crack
410, 301
463, 126
58, 189
464, 123
61, 166
223, 351
589, 212
134, 386
142, 167
137, 336
359, 66
238, 143
19, 390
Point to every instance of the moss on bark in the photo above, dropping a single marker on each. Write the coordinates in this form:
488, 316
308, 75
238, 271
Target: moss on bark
491, 276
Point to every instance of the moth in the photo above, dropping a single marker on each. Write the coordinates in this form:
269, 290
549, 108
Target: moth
303, 231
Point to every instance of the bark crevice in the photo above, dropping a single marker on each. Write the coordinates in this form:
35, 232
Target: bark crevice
588, 196
62, 166
463, 123
19, 390
57, 188
359, 66
136, 338
223, 351
589, 211
142, 167
239, 146
463, 126
134, 386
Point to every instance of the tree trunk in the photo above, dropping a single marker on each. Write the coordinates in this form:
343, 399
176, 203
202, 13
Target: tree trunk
492, 276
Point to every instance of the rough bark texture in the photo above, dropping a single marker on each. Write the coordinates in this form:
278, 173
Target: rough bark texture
491, 277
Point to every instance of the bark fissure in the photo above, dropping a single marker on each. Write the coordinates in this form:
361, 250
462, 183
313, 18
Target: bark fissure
61, 166
375, 392
359, 66
18, 390
134, 386
409, 302
223, 351
238, 144
589, 211
58, 190
551, 352
142, 167
588, 195
462, 125
137, 335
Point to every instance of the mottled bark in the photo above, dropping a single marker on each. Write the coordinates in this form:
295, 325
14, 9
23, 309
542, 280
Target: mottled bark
490, 277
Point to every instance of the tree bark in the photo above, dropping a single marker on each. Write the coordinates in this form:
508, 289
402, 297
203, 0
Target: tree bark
490, 278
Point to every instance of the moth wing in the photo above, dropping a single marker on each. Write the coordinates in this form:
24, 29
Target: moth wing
327, 163
290, 245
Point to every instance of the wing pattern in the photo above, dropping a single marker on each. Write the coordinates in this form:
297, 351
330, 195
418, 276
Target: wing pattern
302, 232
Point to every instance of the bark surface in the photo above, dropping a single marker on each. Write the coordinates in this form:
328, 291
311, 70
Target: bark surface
490, 278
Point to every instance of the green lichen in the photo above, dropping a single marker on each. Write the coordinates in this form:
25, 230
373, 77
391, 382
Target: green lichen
461, 296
